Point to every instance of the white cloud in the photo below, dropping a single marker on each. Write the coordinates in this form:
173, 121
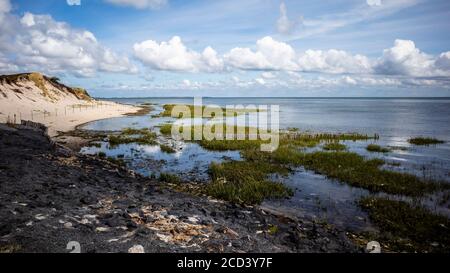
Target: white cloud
139, 4
74, 2
443, 61
38, 42
5, 6
268, 75
284, 24
270, 55
405, 59
333, 61
374, 3
260, 81
175, 56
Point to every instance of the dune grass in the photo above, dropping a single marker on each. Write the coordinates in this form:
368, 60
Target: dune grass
424, 141
377, 148
407, 227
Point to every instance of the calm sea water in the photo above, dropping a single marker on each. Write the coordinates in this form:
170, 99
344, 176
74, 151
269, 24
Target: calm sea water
395, 120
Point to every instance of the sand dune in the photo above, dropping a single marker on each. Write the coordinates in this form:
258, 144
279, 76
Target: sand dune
35, 97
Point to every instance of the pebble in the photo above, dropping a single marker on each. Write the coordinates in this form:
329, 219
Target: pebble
136, 249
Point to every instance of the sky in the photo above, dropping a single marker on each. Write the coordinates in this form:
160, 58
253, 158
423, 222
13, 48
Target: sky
273, 48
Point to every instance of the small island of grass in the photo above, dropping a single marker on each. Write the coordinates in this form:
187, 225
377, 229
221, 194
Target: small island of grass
421, 141
377, 148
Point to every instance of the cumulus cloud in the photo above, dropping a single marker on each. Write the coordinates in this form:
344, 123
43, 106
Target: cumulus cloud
74, 2
333, 61
402, 59
5, 6
284, 24
405, 59
175, 56
38, 42
374, 3
270, 55
139, 4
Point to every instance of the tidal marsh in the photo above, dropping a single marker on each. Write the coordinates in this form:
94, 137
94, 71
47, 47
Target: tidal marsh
130, 135
425, 141
377, 148
334, 146
408, 228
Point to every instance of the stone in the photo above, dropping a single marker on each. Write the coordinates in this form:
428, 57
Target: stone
136, 249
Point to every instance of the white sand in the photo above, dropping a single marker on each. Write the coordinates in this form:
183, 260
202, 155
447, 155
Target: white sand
62, 112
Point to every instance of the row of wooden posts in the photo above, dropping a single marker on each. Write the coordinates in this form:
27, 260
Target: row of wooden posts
13, 118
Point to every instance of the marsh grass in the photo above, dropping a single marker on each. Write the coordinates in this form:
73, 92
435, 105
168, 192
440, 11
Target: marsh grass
349, 168
167, 149
424, 141
169, 178
245, 182
377, 148
356, 171
168, 108
334, 146
130, 135
408, 228
165, 129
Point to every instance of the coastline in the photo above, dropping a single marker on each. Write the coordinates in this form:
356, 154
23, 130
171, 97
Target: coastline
65, 196
64, 117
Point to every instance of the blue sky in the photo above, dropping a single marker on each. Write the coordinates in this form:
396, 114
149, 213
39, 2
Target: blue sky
232, 48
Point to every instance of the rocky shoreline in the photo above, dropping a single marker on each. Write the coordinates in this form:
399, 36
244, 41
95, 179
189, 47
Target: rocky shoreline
51, 195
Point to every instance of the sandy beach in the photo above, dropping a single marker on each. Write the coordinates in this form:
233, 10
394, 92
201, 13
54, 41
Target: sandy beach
63, 117
34, 97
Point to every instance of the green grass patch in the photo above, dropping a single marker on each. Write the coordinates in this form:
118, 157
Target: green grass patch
169, 178
349, 168
168, 108
130, 135
377, 148
245, 182
334, 146
167, 149
425, 141
409, 228
356, 171
165, 129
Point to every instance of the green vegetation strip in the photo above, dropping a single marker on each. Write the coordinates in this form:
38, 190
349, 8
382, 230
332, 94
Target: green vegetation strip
168, 108
425, 141
129, 135
245, 182
409, 228
376, 148
334, 146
